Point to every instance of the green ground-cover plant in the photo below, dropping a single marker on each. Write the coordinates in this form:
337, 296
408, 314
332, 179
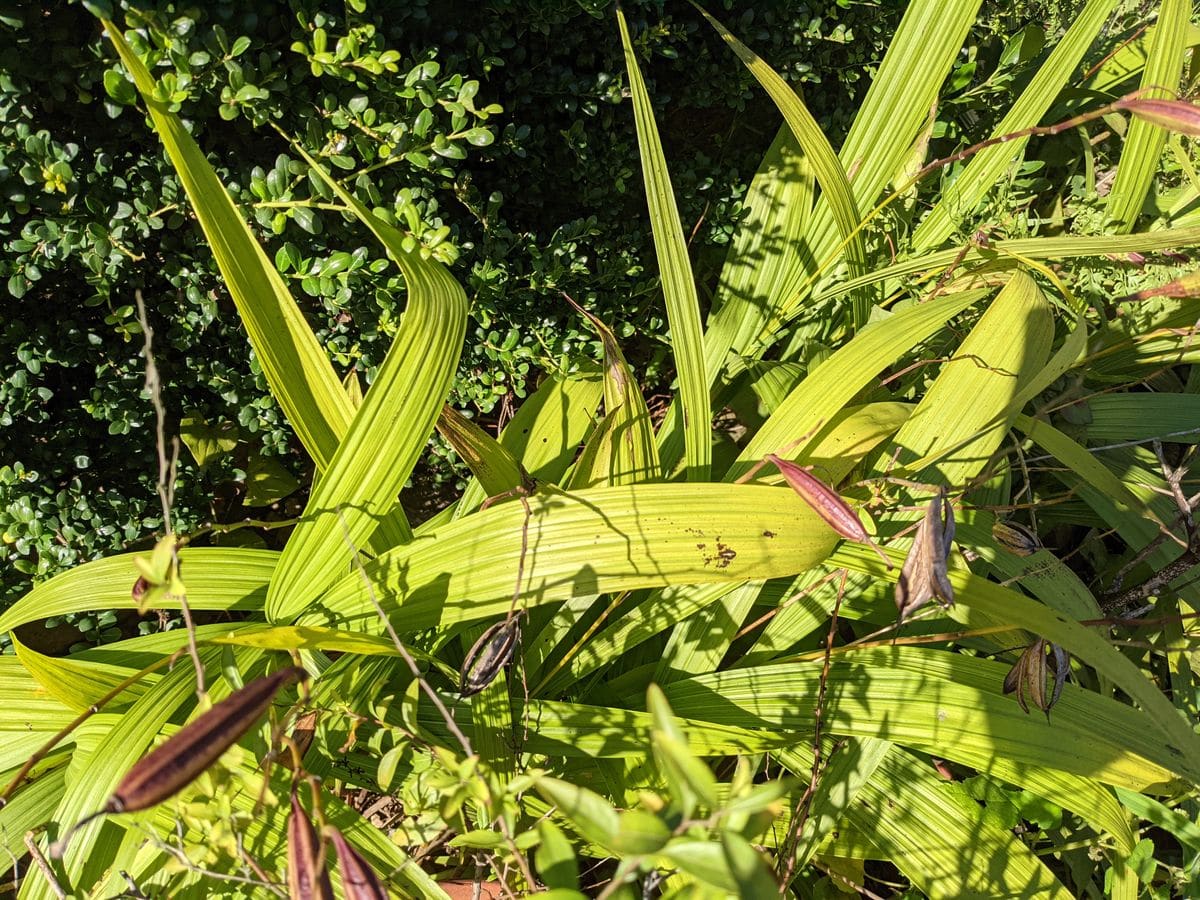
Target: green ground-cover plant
706, 688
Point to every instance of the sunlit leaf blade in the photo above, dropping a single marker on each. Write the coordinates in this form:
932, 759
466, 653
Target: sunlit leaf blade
89, 786
27, 810
388, 432
586, 542
820, 397
846, 772
701, 642
573, 730
1161, 816
923, 824
963, 416
218, 578
675, 269
621, 449
980, 603
1142, 153
77, 684
28, 714
1098, 486
1040, 573
829, 172
765, 251
487, 459
658, 611
296, 367
982, 173
943, 703
1002, 255
763, 258
545, 433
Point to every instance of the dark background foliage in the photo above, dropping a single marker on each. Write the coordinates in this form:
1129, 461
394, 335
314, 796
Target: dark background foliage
494, 132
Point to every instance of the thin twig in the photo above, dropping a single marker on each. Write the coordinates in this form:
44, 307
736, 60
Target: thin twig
800, 814
795, 598
404, 654
40, 862
838, 876
166, 476
1117, 600
184, 861
257, 869
133, 891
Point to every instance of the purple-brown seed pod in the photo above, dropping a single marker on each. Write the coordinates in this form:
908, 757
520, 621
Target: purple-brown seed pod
924, 575
359, 881
1173, 115
308, 879
178, 761
827, 502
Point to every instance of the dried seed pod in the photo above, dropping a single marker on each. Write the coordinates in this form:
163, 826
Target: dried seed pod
1173, 115
308, 879
924, 575
1028, 677
827, 502
488, 655
174, 764
359, 881
1016, 538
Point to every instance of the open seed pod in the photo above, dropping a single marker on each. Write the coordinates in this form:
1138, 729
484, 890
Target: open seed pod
488, 655
923, 576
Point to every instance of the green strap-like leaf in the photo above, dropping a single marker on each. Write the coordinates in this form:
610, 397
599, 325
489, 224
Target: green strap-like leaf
944, 703
217, 578
1144, 417
982, 604
27, 810
1002, 255
766, 250
965, 414
846, 772
1099, 487
297, 369
543, 436
985, 170
675, 270
487, 459
621, 450
1142, 153
813, 404
389, 430
92, 782
937, 835
829, 172
78, 684
589, 542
